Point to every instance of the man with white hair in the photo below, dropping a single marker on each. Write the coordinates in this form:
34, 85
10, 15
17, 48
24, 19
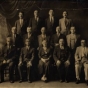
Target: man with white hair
10, 57
81, 59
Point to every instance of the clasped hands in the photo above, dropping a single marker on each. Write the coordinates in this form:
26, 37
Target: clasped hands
66, 62
4, 61
44, 60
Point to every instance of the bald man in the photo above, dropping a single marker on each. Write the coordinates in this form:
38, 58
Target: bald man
51, 23
10, 57
65, 23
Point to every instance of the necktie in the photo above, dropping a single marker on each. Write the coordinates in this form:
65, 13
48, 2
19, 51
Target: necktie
65, 22
13, 38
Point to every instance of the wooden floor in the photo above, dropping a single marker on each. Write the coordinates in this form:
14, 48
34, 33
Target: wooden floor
40, 84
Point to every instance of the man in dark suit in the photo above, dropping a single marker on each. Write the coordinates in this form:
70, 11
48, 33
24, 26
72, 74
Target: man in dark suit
57, 36
16, 38
61, 56
10, 57
21, 24
30, 36
51, 23
36, 23
65, 23
26, 60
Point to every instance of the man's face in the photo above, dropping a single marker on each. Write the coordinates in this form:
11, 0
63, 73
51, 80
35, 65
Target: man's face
36, 13
64, 14
20, 15
72, 30
61, 42
8, 42
44, 43
28, 30
83, 43
51, 13
57, 29
14, 30
43, 30
27, 42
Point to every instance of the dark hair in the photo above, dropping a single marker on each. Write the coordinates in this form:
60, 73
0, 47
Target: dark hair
21, 12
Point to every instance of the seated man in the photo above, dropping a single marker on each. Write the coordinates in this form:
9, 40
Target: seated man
10, 56
45, 54
26, 60
42, 37
81, 59
61, 56
57, 36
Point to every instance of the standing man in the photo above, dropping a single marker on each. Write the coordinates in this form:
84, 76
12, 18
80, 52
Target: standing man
21, 24
81, 59
51, 23
35, 23
10, 57
29, 36
26, 60
43, 36
57, 36
65, 23
61, 56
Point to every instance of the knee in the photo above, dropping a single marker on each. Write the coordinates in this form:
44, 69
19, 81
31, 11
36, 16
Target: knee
10, 64
40, 63
86, 65
58, 65
77, 66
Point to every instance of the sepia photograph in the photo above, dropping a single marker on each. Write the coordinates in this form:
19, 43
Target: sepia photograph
43, 43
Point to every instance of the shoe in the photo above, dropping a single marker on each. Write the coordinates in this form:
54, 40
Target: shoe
77, 81
29, 81
20, 81
66, 81
11, 81
61, 80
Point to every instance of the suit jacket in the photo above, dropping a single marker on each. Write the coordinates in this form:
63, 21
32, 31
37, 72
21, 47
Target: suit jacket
18, 41
45, 54
78, 54
10, 54
51, 27
55, 39
57, 53
40, 39
31, 39
36, 25
26, 55
1, 55
66, 25
69, 39
21, 29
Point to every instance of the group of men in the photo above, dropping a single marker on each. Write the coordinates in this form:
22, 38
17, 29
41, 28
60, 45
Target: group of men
45, 40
